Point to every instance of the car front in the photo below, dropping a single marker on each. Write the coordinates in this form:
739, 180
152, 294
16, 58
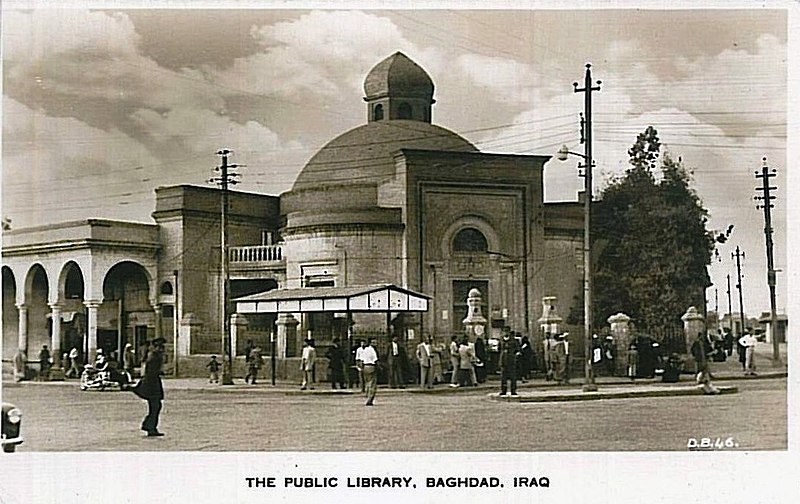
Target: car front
11, 434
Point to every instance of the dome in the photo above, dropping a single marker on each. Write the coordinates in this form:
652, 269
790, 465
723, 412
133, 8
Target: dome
365, 154
398, 76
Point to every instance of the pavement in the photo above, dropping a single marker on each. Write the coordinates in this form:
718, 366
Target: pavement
535, 390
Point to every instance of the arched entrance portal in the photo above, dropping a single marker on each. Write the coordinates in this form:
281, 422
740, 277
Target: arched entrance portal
38, 322
72, 310
10, 314
126, 315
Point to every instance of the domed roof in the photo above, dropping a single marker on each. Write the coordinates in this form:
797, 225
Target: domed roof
365, 154
397, 75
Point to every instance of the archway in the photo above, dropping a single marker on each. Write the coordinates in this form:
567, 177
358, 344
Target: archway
10, 314
126, 315
38, 322
71, 295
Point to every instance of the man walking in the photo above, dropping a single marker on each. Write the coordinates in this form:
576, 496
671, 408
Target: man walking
74, 369
509, 352
150, 387
369, 359
425, 359
254, 364
360, 362
748, 341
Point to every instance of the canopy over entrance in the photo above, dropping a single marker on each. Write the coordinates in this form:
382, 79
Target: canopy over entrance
364, 298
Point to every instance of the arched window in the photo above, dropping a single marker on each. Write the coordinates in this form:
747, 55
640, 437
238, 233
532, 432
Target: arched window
470, 240
377, 112
404, 111
166, 288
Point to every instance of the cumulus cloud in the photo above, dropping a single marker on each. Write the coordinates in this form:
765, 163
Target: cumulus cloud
59, 168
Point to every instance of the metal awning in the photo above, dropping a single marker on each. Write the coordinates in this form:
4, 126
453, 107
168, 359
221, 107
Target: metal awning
364, 298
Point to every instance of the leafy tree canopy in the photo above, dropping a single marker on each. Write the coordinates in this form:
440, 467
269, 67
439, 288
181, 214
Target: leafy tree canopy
651, 244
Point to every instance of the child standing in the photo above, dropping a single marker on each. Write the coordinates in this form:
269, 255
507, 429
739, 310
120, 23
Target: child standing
633, 360
213, 368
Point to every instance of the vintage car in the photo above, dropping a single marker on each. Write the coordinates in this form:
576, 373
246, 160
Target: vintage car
11, 434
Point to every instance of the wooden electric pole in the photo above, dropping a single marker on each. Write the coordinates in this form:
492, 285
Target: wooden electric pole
766, 199
226, 178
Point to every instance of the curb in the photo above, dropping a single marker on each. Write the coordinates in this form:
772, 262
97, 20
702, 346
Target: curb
626, 394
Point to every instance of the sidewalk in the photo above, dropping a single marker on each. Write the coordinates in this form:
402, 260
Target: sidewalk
536, 390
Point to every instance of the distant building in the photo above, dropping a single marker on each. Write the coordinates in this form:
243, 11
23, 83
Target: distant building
781, 326
397, 200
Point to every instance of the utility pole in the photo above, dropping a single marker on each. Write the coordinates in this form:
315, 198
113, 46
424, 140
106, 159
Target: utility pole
589, 383
739, 255
730, 310
226, 178
766, 199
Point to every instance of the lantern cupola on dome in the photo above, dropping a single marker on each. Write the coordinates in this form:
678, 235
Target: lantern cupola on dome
398, 88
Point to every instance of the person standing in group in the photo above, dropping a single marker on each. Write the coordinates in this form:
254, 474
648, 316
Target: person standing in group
728, 337
369, 359
609, 354
748, 342
565, 341
395, 360
480, 360
150, 387
633, 360
466, 357
21, 366
213, 369
425, 359
436, 359
74, 369
547, 354
128, 359
44, 363
307, 364
527, 358
509, 353
336, 364
454, 361
559, 359
360, 363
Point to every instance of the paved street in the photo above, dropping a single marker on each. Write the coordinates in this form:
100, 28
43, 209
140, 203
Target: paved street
61, 418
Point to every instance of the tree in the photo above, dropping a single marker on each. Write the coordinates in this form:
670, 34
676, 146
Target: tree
651, 242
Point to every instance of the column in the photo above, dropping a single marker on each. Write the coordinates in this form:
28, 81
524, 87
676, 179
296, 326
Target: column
287, 330
693, 324
238, 328
91, 329
190, 325
22, 341
55, 339
157, 319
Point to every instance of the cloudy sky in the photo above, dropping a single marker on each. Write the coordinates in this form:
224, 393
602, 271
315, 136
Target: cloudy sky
101, 106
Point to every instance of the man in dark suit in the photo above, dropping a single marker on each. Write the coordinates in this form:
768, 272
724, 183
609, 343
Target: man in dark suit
509, 352
394, 358
150, 387
335, 357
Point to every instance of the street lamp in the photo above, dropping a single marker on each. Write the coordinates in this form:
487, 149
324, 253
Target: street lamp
589, 384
